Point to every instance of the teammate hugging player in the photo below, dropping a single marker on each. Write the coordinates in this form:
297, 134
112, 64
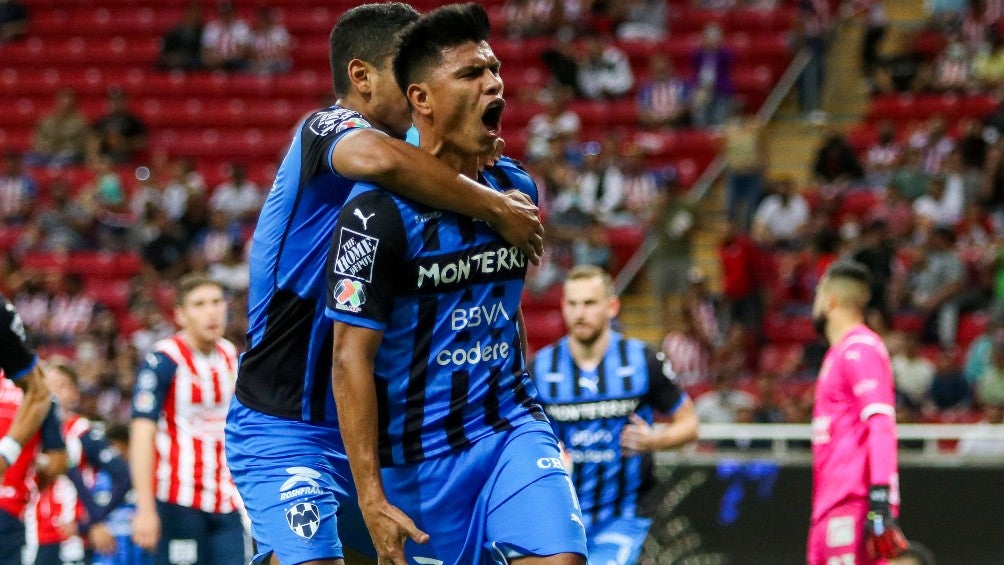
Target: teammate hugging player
601, 391
855, 491
437, 396
283, 443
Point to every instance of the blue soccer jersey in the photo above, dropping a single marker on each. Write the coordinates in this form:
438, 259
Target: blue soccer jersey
588, 410
445, 292
286, 370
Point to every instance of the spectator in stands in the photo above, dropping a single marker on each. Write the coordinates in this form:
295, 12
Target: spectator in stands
744, 161
187, 183
147, 195
883, 157
932, 138
687, 353
812, 26
153, 327
181, 47
952, 70
903, 70
949, 389
988, 65
642, 19
909, 181
990, 384
232, 270
32, 303
973, 147
13, 21
781, 219
912, 372
592, 245
70, 311
712, 81
978, 19
959, 179
601, 184
119, 135
239, 198
226, 41
557, 122
270, 44
836, 161
17, 191
644, 190
530, 18
739, 261
68, 224
662, 100
942, 206
604, 71
877, 252
703, 307
213, 243
61, 136
166, 251
934, 284
672, 256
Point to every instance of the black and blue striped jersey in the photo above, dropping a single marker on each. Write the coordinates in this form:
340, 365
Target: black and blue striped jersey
286, 369
445, 292
588, 410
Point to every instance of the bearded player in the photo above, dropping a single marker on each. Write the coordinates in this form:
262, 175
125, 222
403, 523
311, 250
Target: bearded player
855, 491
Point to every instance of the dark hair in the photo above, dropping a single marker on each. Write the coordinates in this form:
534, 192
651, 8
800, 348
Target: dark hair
366, 33
190, 282
421, 45
847, 269
69, 371
117, 432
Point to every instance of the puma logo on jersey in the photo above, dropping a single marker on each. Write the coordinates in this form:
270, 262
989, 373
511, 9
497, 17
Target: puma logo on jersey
365, 219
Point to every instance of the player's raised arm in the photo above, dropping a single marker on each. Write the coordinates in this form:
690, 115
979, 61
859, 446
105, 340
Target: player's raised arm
370, 155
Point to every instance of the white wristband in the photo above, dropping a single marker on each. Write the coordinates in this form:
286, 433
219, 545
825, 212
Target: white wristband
10, 449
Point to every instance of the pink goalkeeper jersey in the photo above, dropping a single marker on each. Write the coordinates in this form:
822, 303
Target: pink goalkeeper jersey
855, 382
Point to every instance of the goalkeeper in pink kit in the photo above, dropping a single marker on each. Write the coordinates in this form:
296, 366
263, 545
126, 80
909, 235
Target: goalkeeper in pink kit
855, 491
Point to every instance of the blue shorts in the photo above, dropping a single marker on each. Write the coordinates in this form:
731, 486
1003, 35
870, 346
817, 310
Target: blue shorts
617, 541
505, 497
296, 484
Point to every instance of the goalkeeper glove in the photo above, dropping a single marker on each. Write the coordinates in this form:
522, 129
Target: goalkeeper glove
883, 537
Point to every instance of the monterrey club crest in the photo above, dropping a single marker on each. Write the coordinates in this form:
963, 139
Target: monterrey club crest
303, 519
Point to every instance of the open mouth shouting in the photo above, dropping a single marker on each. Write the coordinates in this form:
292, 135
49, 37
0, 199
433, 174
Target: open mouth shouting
492, 117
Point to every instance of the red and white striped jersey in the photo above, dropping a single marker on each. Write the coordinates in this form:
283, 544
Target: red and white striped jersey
188, 393
57, 503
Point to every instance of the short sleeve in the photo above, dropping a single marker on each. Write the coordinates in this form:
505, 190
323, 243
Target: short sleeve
152, 383
664, 393
365, 260
869, 378
321, 132
17, 358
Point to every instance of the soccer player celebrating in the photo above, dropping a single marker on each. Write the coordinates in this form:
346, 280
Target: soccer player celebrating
29, 420
185, 498
429, 372
855, 490
283, 442
601, 390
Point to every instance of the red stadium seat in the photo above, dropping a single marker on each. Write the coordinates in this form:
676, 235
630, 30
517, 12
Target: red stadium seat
971, 326
543, 328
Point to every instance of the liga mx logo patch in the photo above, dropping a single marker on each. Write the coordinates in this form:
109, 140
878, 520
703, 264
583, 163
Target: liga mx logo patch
303, 519
349, 295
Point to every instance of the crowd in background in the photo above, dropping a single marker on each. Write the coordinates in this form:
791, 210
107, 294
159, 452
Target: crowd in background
931, 233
